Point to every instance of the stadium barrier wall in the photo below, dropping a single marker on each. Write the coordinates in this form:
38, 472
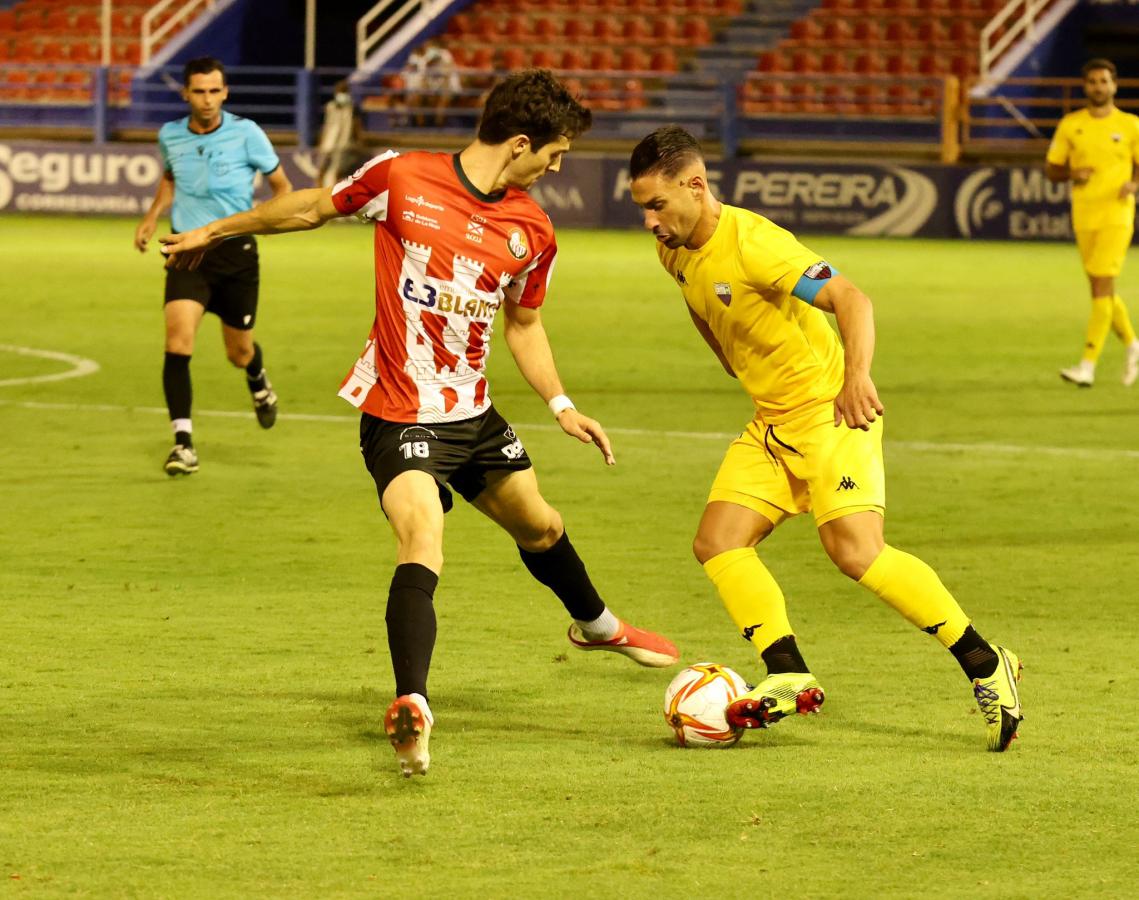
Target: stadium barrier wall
992, 202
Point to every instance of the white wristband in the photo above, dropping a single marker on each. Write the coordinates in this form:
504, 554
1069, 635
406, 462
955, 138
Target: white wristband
560, 404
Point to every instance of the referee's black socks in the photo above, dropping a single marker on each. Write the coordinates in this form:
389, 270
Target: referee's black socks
176, 387
255, 371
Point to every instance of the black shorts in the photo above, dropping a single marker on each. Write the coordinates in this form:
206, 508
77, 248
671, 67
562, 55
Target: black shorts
225, 283
461, 454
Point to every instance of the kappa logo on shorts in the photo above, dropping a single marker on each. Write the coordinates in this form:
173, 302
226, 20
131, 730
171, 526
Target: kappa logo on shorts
847, 484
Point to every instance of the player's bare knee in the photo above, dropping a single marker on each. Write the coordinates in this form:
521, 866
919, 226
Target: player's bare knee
707, 546
240, 357
180, 342
852, 558
540, 535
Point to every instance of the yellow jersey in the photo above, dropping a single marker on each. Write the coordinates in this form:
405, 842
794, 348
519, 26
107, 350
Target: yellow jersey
782, 349
1110, 146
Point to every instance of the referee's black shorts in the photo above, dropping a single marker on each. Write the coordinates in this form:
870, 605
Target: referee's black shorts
461, 454
226, 283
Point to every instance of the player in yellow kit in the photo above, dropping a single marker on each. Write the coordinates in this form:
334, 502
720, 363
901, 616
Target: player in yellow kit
1097, 149
757, 297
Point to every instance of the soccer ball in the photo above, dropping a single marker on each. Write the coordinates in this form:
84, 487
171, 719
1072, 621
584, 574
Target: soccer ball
695, 703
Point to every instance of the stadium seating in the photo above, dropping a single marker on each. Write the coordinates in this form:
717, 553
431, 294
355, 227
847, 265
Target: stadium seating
42, 42
859, 49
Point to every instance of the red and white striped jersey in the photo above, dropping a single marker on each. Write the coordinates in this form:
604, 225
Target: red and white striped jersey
444, 254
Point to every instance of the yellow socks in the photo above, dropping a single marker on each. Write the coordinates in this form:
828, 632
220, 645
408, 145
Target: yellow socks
914, 590
751, 596
1099, 323
1121, 322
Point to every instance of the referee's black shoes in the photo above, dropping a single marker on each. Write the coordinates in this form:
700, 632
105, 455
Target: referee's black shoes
265, 405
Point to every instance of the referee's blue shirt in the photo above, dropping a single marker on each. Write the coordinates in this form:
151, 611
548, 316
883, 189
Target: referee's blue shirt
213, 172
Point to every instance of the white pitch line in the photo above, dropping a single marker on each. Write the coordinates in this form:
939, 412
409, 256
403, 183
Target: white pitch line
980, 447
80, 365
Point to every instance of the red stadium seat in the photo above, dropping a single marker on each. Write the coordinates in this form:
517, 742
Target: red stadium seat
513, 58
481, 58
665, 32
634, 95
932, 64
695, 32
572, 59
635, 30
460, 24
806, 31
485, 28
517, 28
772, 61
544, 58
932, 32
805, 62
602, 59
903, 99
899, 64
964, 32
837, 32
576, 30
869, 64
900, 33
633, 59
867, 33
663, 60
546, 31
600, 95
606, 30
833, 63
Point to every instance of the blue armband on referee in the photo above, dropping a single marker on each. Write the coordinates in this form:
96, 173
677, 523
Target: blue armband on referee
812, 281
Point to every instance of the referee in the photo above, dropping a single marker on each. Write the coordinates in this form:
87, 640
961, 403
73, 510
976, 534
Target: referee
211, 158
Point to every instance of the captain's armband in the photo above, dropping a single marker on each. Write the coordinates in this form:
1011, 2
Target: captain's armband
812, 281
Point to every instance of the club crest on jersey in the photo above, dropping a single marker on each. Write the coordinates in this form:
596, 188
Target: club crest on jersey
723, 291
475, 228
1117, 138
516, 243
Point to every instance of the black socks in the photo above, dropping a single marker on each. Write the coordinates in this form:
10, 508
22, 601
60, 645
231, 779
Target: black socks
411, 626
976, 658
562, 571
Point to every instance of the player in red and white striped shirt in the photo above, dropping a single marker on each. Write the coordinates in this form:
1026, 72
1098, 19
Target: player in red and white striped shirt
457, 238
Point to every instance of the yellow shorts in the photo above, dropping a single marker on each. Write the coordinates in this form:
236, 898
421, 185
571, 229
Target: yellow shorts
805, 464
1103, 249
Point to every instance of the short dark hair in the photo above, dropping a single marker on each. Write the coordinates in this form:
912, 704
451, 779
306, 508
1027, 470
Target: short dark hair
667, 150
1099, 63
203, 65
534, 103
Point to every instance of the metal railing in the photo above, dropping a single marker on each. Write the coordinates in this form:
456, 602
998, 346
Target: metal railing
390, 14
152, 36
1016, 20
1021, 113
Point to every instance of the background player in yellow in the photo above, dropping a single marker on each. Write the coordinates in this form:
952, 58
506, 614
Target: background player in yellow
756, 294
1097, 149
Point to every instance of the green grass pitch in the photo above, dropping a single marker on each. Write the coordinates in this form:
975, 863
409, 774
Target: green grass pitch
193, 671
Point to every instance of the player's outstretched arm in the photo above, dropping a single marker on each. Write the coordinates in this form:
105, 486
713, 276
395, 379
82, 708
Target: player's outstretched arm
857, 403
295, 211
529, 345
